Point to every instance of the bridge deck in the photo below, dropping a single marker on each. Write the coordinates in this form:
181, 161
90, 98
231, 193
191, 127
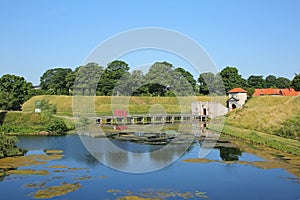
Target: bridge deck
149, 119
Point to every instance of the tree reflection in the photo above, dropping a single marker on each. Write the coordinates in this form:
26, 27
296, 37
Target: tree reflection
229, 153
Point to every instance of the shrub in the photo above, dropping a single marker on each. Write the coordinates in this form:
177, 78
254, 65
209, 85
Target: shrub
48, 108
83, 121
8, 146
56, 126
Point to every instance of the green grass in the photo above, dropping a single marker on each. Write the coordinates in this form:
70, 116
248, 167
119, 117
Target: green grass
273, 121
255, 137
261, 121
33, 123
269, 114
104, 105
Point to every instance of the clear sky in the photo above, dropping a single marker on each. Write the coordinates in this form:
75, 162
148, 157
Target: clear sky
257, 37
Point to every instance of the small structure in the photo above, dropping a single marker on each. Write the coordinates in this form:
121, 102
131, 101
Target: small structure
199, 108
275, 92
236, 98
208, 108
38, 107
37, 87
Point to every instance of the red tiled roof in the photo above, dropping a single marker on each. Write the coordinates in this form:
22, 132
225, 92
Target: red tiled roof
267, 91
289, 92
272, 91
237, 90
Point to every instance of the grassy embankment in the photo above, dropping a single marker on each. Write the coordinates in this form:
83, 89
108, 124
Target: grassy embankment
35, 123
105, 104
270, 121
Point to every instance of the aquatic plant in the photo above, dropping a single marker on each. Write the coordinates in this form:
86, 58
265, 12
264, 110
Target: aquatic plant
55, 191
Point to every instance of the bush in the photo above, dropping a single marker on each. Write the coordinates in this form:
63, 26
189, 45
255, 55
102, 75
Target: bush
48, 108
56, 126
83, 121
8, 146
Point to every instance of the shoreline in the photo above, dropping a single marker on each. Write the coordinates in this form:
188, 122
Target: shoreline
255, 137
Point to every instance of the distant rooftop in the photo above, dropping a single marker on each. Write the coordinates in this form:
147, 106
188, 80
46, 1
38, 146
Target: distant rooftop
237, 90
274, 91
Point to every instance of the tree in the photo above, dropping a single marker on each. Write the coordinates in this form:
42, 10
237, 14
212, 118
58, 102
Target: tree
111, 75
131, 84
85, 79
256, 82
271, 81
163, 80
53, 81
14, 91
188, 76
210, 84
204, 80
296, 82
231, 78
282, 82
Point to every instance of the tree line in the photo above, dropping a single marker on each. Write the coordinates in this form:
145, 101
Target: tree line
162, 79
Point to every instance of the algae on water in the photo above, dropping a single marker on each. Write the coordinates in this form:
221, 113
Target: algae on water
55, 191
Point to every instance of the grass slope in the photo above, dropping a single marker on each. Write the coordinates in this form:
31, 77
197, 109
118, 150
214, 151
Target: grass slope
104, 105
269, 114
29, 122
271, 121
261, 121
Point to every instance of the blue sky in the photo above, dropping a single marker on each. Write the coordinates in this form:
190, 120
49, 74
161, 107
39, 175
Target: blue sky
257, 37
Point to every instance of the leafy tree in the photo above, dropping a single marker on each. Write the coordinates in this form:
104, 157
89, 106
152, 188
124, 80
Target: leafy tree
271, 81
131, 84
36, 92
256, 82
111, 75
159, 78
231, 78
204, 80
85, 79
70, 80
163, 80
296, 82
282, 82
210, 84
188, 76
53, 81
14, 91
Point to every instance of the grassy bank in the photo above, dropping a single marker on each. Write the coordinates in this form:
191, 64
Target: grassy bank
276, 142
270, 114
105, 104
271, 121
33, 123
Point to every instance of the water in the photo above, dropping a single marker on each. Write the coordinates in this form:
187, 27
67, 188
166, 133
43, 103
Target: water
217, 180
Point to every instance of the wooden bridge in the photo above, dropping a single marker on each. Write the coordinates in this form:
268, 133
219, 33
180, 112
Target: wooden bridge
149, 119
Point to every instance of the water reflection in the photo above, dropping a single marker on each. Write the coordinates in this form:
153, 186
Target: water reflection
113, 156
229, 153
72, 147
139, 158
250, 172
